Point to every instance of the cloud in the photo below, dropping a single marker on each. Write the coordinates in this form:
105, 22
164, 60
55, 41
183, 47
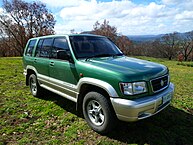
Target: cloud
129, 17
1, 10
171, 2
117, 12
61, 3
151, 10
186, 15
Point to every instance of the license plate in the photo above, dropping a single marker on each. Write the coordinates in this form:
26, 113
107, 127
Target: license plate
166, 98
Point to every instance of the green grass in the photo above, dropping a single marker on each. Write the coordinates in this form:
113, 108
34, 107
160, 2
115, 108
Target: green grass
52, 119
189, 64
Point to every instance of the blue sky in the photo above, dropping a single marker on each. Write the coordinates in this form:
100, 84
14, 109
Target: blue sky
131, 17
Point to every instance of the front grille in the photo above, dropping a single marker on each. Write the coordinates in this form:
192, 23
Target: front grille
160, 83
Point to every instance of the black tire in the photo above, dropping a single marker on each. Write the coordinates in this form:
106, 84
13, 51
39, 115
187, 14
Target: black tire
98, 112
35, 88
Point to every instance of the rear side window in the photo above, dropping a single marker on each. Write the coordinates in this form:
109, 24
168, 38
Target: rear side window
60, 44
44, 48
38, 48
30, 48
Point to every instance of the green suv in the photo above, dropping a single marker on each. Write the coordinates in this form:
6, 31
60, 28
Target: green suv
91, 71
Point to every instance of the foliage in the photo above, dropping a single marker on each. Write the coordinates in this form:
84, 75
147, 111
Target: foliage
169, 46
22, 20
186, 46
52, 119
106, 30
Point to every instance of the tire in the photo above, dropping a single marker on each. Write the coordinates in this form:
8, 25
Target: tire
98, 112
35, 88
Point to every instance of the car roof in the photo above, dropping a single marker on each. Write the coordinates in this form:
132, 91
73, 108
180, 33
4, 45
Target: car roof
66, 35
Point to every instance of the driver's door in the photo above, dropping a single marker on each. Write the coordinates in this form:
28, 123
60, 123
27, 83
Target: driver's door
62, 72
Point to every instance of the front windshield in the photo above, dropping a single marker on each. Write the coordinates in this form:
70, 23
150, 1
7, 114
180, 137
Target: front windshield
92, 46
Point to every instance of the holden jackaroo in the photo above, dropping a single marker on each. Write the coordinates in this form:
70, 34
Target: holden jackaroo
91, 71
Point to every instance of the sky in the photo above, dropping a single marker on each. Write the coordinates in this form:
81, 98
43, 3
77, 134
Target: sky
131, 17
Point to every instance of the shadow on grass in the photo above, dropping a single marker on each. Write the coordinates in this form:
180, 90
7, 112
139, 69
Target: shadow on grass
171, 126
64, 103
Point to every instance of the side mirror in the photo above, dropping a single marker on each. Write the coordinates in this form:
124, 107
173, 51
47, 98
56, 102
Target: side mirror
63, 55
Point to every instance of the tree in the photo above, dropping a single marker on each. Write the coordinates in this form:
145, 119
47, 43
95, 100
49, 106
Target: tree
186, 47
109, 31
106, 30
169, 45
21, 21
124, 44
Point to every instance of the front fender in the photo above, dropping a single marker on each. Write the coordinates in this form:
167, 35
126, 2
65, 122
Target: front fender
99, 83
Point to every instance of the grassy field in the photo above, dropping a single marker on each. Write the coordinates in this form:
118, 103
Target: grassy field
52, 119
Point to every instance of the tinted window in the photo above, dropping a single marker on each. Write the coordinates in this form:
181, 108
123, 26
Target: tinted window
60, 44
30, 48
91, 46
38, 48
44, 48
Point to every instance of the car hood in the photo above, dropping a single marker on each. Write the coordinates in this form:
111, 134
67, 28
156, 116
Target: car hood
130, 68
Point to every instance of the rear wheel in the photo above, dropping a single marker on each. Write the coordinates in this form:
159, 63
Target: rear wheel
98, 112
35, 88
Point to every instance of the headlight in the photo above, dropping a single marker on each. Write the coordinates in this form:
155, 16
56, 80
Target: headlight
133, 88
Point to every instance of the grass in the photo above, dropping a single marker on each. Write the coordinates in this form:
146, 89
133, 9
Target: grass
189, 64
54, 120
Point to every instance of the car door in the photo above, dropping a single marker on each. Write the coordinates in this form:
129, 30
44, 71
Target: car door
62, 72
41, 59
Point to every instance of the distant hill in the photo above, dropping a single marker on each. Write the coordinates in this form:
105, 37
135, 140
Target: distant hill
136, 38
143, 38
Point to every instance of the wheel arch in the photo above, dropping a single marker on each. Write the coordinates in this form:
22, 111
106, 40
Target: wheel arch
94, 85
97, 83
30, 70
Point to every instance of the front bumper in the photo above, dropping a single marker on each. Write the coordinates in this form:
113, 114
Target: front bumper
133, 110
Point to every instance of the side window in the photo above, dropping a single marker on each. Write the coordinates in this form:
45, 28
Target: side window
60, 44
44, 48
38, 48
30, 48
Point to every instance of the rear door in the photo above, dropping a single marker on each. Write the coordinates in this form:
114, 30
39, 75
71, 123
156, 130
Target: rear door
41, 59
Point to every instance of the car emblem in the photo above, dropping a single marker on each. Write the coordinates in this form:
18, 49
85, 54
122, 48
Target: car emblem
162, 83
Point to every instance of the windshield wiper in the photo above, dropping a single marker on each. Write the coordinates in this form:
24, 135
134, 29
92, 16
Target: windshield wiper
119, 54
103, 55
98, 55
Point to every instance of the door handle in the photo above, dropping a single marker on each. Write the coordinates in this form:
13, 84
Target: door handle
35, 60
51, 63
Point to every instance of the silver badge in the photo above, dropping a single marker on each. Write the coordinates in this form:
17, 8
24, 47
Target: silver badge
162, 83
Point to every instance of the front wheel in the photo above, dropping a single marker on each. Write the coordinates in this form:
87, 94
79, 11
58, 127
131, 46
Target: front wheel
98, 112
